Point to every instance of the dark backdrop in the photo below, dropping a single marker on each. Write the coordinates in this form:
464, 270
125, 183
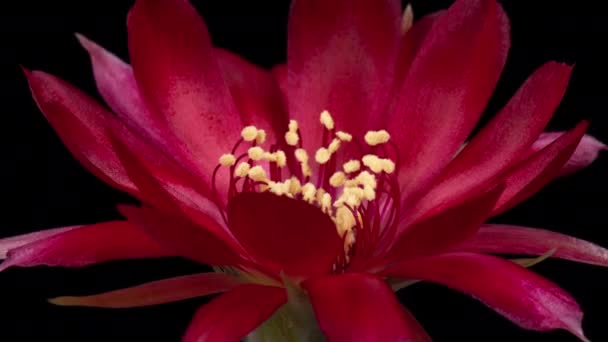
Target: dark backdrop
43, 186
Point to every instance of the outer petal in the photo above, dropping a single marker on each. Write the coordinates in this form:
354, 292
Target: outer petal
502, 141
507, 239
87, 245
525, 298
82, 125
156, 292
293, 235
586, 152
6, 244
180, 80
361, 307
235, 314
530, 175
442, 99
340, 57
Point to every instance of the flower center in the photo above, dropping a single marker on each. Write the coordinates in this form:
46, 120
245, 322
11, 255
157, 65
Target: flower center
355, 186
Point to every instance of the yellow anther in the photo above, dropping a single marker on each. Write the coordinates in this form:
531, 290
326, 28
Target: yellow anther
319, 195
271, 157
373, 163
255, 153
249, 133
242, 169
345, 220
278, 188
388, 166
351, 166
281, 158
350, 239
293, 126
322, 156
351, 183
294, 186
373, 138
369, 193
257, 174
344, 136
260, 137
334, 146
302, 157
327, 120
353, 196
337, 179
291, 138
308, 192
227, 159
326, 203
366, 179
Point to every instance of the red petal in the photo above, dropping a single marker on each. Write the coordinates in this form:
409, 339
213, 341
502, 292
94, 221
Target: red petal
181, 236
87, 245
256, 94
446, 229
586, 152
530, 175
156, 292
447, 88
340, 57
503, 239
525, 298
180, 80
6, 244
82, 125
502, 141
361, 307
293, 235
279, 72
235, 314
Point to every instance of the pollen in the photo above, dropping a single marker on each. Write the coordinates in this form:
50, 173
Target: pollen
294, 186
302, 157
373, 163
291, 138
337, 179
281, 158
292, 126
242, 169
344, 136
249, 133
373, 138
345, 220
308, 192
255, 153
257, 174
227, 159
334, 146
260, 137
327, 121
322, 156
352, 166
326, 203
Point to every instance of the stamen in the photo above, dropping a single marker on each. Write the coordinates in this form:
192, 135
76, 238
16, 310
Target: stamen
302, 157
337, 179
257, 174
327, 120
322, 156
292, 138
351, 166
242, 169
255, 153
249, 133
373, 138
260, 138
344, 136
334, 146
308, 192
281, 158
227, 159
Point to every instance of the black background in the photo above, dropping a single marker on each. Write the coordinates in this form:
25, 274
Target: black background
44, 187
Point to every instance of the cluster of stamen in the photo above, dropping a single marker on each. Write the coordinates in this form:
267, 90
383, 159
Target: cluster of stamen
361, 196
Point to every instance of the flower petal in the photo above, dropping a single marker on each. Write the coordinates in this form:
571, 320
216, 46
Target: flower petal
156, 292
525, 298
530, 175
446, 229
293, 235
256, 94
233, 315
502, 141
86, 245
340, 57
442, 99
6, 244
586, 152
508, 239
81, 124
361, 307
180, 80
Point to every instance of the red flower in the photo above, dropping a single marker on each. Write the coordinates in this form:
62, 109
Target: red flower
339, 171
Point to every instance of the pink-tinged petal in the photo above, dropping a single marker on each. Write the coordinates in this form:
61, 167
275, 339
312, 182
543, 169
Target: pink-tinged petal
156, 292
525, 298
255, 93
81, 124
586, 152
361, 307
114, 240
296, 237
233, 315
279, 72
530, 175
410, 43
501, 142
442, 98
446, 229
340, 57
6, 244
507, 239
180, 80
